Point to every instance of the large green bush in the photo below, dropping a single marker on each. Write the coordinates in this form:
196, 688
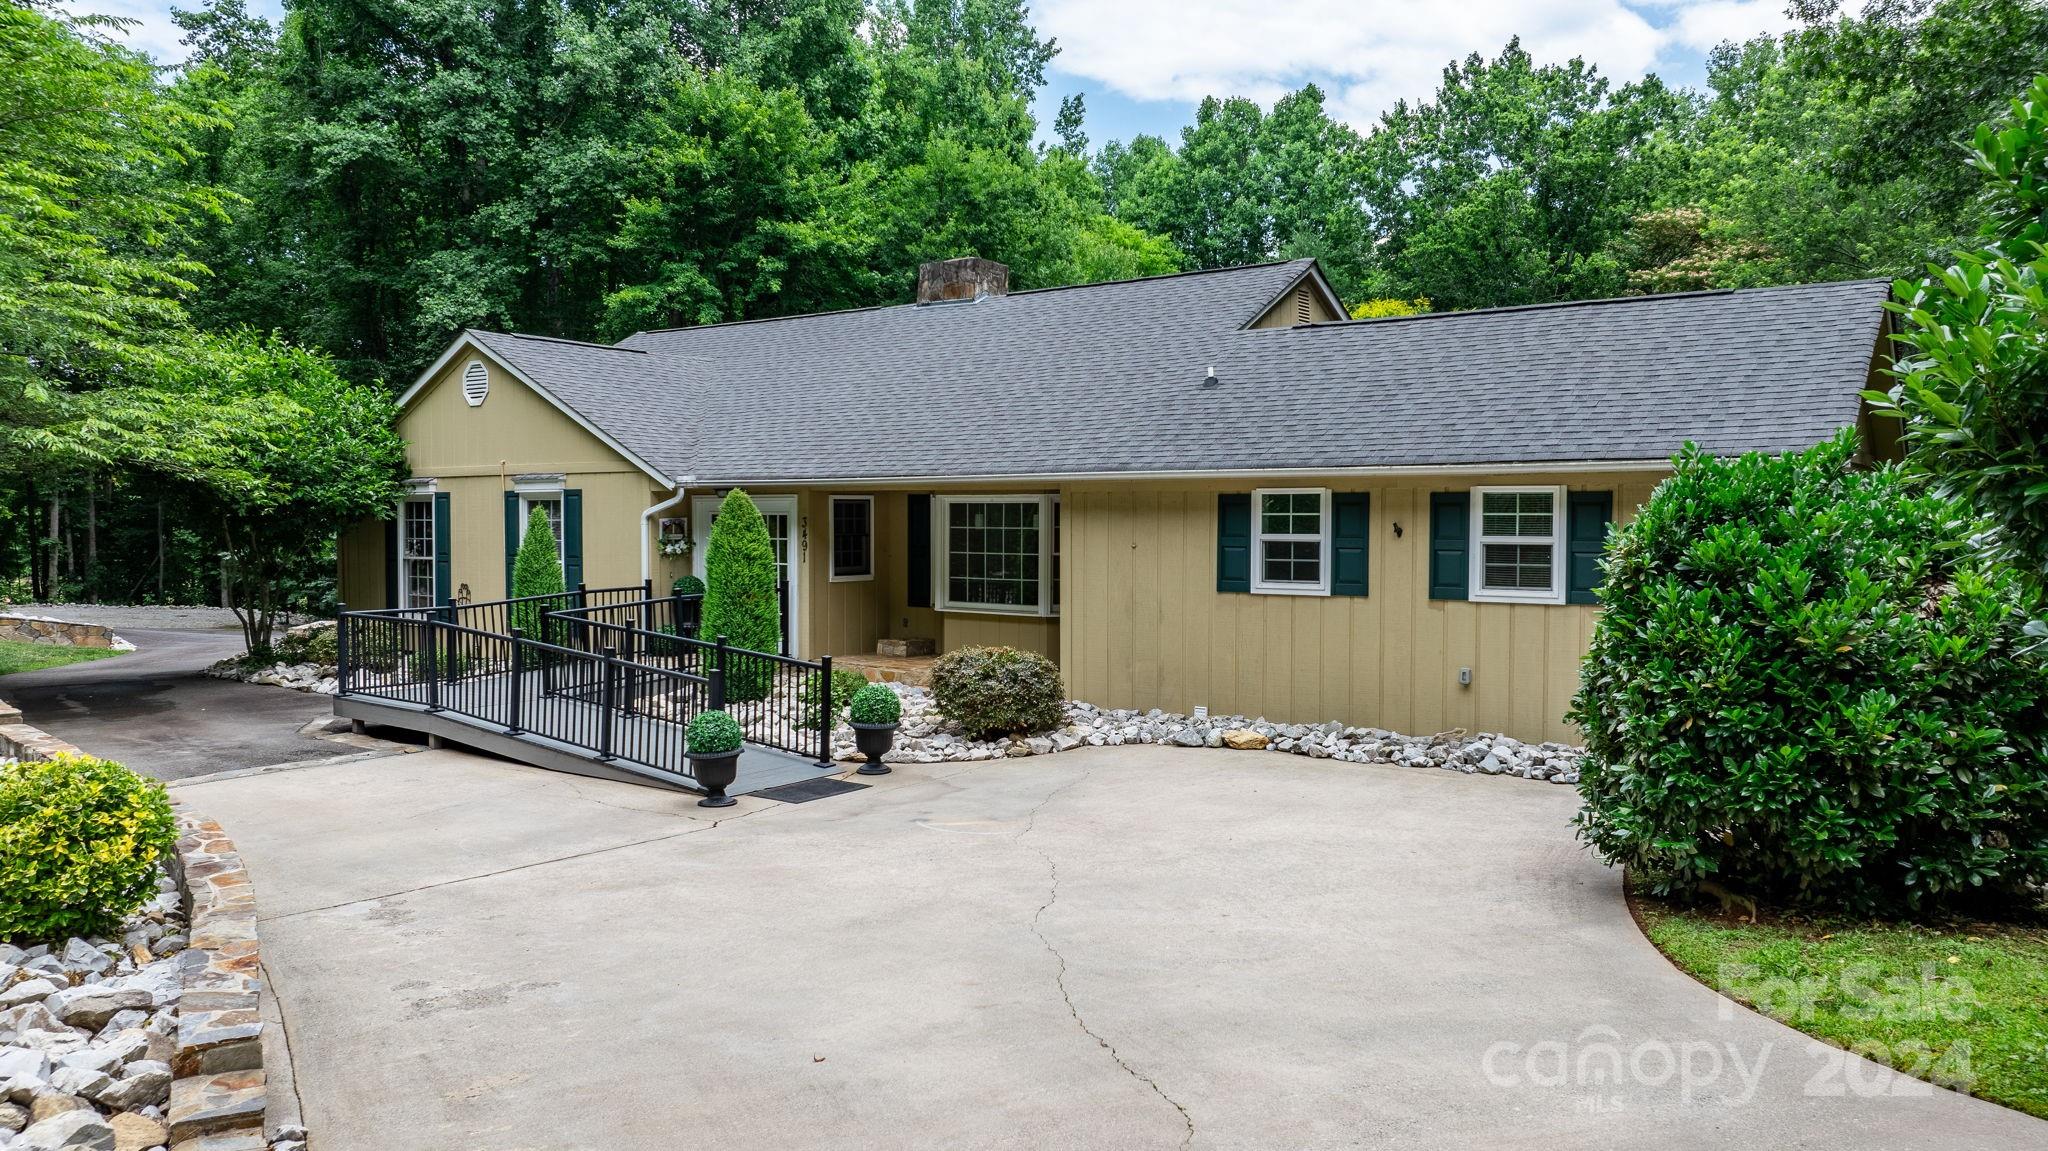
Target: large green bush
740, 601
1973, 375
80, 840
1807, 687
990, 690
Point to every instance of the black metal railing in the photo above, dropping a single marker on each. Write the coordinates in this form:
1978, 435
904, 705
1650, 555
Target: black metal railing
779, 701
613, 672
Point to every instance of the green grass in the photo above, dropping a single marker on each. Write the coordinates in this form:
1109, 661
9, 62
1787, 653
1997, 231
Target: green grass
17, 656
1961, 1004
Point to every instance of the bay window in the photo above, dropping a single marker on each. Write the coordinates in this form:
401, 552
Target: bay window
998, 554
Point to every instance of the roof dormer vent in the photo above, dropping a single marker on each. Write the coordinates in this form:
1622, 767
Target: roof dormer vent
476, 383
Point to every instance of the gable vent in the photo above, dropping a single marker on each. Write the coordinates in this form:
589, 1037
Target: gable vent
476, 383
1304, 311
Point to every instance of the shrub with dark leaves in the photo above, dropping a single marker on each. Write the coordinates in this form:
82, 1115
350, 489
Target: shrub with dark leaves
1807, 687
998, 690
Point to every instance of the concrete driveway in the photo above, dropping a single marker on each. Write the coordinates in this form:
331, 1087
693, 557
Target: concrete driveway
1114, 948
154, 709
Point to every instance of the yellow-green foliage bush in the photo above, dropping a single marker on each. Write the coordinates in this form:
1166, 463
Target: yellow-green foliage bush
80, 840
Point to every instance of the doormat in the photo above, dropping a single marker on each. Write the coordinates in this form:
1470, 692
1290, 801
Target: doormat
806, 790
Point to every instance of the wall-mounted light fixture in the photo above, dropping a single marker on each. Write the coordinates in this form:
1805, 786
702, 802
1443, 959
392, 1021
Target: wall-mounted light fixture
1397, 529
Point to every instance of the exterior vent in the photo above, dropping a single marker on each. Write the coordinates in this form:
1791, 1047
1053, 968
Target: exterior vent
968, 278
476, 383
1304, 311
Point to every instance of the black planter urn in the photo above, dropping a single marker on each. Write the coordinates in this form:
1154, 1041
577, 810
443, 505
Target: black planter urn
874, 741
714, 774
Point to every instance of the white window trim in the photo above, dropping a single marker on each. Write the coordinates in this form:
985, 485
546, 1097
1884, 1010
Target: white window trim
415, 495
942, 554
530, 494
1260, 585
1476, 588
832, 540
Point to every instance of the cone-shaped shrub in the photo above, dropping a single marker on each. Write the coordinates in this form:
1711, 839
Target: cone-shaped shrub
1808, 686
536, 570
739, 595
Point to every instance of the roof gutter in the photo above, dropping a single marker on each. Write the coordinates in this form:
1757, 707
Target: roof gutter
647, 541
1659, 464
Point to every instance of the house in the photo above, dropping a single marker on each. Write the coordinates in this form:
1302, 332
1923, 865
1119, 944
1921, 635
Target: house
1199, 489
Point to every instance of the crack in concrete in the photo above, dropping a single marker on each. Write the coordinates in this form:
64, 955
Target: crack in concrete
291, 1058
711, 826
1060, 975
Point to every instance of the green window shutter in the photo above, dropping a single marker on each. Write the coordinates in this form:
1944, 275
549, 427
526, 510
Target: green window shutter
1350, 539
572, 537
390, 563
1234, 541
1585, 541
511, 537
1450, 544
917, 581
444, 565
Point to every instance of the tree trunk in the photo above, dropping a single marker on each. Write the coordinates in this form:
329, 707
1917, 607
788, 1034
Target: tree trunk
56, 543
160, 550
92, 539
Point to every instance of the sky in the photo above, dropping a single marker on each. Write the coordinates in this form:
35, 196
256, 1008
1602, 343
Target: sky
1143, 65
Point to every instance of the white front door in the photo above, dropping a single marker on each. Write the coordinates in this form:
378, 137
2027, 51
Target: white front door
780, 514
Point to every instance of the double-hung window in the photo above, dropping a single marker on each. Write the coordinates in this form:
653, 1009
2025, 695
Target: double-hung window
1517, 542
998, 554
853, 538
1291, 541
416, 553
550, 504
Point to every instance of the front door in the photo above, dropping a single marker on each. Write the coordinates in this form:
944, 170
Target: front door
780, 514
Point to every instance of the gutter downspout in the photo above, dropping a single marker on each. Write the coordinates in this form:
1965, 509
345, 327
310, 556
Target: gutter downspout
647, 541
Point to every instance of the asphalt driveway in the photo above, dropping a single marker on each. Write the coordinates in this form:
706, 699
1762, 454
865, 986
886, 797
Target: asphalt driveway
1133, 947
154, 709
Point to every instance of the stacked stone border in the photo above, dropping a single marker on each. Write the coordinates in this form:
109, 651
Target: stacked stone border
219, 1095
54, 632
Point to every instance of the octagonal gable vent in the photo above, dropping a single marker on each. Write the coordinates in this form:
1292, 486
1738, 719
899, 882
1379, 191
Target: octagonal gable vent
476, 383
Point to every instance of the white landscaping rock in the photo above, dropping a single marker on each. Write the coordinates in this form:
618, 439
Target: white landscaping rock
27, 991
70, 1131
926, 736
93, 1004
23, 1062
146, 1083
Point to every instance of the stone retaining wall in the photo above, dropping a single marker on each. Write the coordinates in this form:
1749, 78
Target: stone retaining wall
54, 632
217, 1101
20, 741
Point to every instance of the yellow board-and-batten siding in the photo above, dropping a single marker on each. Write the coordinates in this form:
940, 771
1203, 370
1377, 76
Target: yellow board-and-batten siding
474, 455
1144, 625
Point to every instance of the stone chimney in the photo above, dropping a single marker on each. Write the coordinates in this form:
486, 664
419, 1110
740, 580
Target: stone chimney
967, 278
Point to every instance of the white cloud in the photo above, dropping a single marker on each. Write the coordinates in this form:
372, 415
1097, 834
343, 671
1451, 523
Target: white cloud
1366, 56
1701, 26
152, 30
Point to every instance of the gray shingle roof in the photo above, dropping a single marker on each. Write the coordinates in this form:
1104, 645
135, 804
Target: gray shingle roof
1108, 378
